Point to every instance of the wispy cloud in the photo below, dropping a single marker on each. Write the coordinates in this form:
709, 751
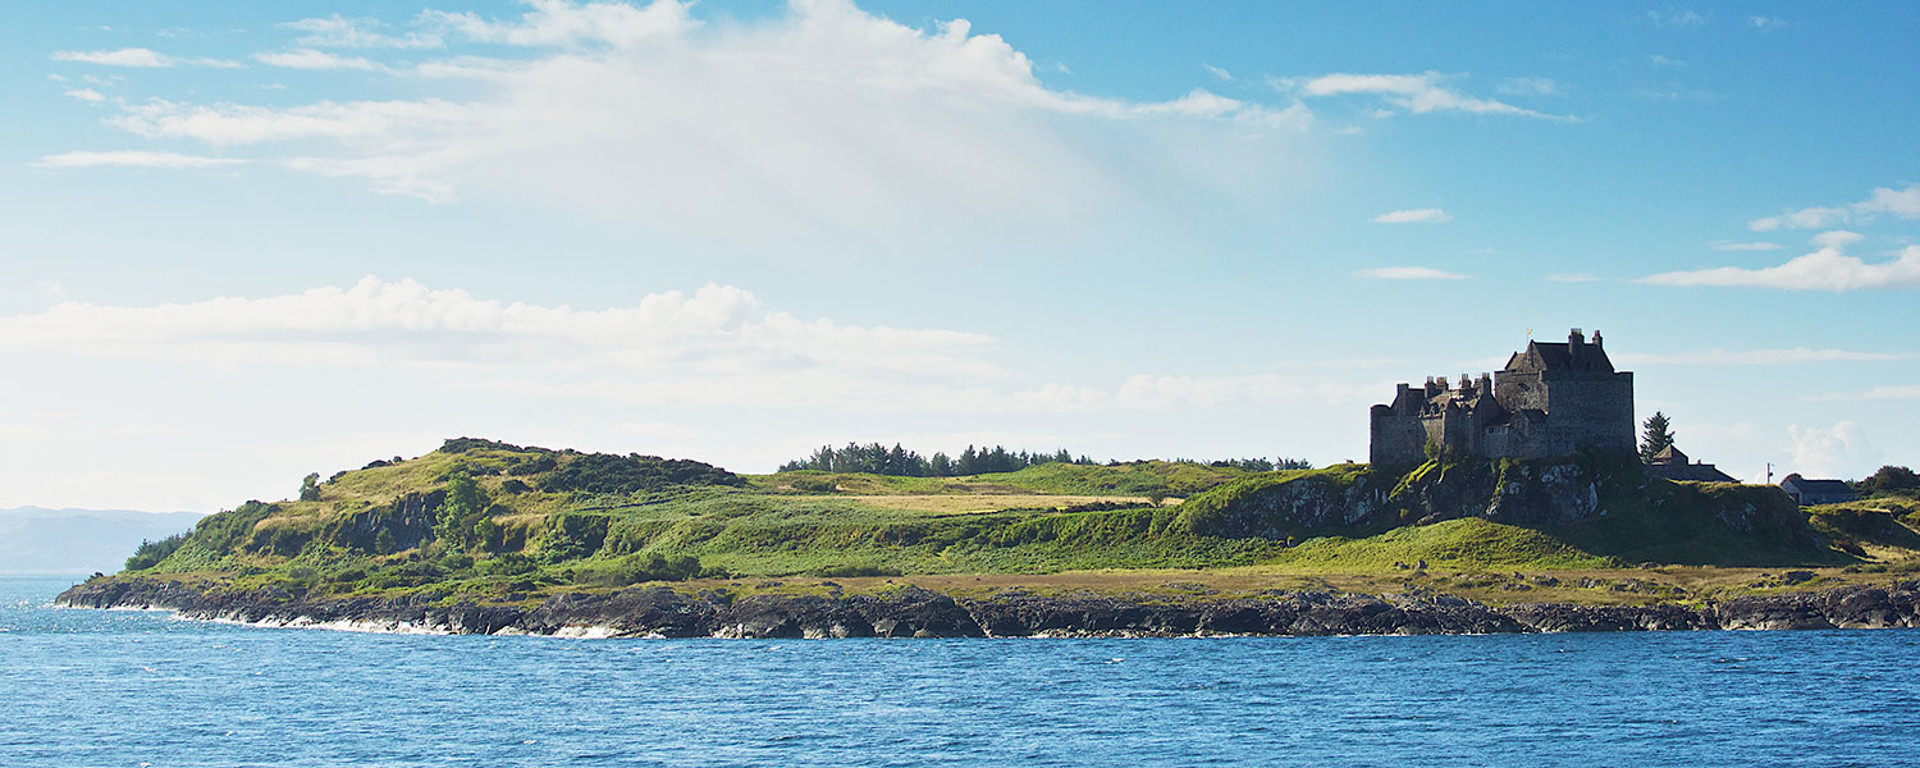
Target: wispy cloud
87, 94
1903, 203
1795, 356
1417, 94
825, 124
1409, 273
1218, 72
1884, 392
140, 58
310, 59
1723, 245
1767, 23
1530, 86
1414, 216
1677, 18
135, 159
1841, 451
1826, 269
718, 345
338, 32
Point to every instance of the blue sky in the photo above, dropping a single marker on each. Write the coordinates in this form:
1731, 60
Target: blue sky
244, 243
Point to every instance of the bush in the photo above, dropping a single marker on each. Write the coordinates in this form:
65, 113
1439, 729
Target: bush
151, 553
634, 569
1890, 479
508, 565
814, 484
573, 535
607, 473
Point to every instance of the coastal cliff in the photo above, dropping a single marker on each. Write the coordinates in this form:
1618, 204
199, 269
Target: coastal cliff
910, 611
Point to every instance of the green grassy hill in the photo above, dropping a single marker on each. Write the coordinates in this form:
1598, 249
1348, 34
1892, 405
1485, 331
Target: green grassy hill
483, 519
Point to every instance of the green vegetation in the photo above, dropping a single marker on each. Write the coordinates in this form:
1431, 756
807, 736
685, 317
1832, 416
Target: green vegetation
1656, 436
479, 519
150, 553
1463, 544
877, 459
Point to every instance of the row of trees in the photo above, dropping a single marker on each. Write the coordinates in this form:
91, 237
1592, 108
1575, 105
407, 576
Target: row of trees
878, 459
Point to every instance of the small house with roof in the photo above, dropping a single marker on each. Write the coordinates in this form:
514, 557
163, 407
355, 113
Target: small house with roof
1811, 492
1671, 464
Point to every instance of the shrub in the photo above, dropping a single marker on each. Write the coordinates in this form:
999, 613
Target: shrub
573, 535
607, 473
150, 553
634, 569
508, 565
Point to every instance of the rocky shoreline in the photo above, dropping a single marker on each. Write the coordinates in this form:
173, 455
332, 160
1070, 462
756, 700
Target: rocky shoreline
915, 612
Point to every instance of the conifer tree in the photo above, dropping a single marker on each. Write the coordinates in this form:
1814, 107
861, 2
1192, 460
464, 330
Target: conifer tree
1657, 436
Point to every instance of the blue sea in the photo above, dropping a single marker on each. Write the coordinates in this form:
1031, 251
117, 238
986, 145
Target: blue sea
124, 688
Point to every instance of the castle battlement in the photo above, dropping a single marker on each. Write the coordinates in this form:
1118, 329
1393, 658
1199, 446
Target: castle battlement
1552, 399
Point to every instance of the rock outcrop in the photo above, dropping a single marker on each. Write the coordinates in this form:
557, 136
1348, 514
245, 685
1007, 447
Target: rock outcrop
915, 612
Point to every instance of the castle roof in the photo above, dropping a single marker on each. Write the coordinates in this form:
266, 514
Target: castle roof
1561, 356
1669, 455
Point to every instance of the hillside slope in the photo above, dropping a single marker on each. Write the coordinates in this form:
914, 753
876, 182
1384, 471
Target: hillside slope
482, 520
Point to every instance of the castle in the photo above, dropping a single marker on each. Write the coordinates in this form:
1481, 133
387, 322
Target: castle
1551, 400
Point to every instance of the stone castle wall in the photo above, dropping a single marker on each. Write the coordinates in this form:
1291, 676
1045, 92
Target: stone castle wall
1552, 400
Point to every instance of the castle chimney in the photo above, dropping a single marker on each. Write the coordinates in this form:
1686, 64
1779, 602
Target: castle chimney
1596, 337
1575, 338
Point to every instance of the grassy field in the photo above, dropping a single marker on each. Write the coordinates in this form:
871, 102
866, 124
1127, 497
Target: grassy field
534, 522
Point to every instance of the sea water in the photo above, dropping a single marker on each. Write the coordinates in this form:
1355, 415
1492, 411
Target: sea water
134, 688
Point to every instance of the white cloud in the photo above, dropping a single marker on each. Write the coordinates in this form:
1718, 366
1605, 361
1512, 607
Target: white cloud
1826, 269
141, 58
1529, 86
1218, 72
1897, 392
338, 32
563, 23
1409, 273
134, 159
1673, 18
1414, 216
1150, 392
1795, 356
124, 57
826, 124
308, 58
1659, 60
1417, 94
1767, 23
1903, 203
717, 333
1722, 245
87, 94
1805, 218
399, 122
1842, 451
716, 346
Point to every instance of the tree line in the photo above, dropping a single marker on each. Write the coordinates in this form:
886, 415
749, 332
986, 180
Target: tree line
878, 459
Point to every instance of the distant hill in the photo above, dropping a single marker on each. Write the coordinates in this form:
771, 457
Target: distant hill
34, 540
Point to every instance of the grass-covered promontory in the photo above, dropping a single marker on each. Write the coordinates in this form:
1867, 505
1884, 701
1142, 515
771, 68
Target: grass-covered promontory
483, 520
